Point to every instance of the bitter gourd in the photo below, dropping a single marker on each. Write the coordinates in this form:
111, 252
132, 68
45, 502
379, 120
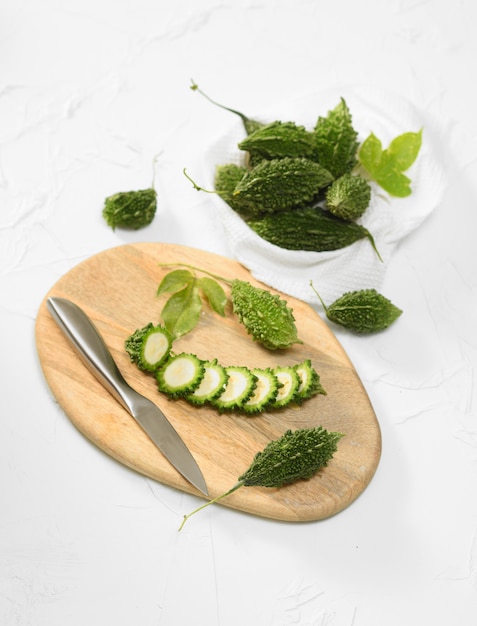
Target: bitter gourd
280, 184
279, 139
266, 316
309, 228
348, 197
226, 179
296, 455
130, 209
363, 311
336, 140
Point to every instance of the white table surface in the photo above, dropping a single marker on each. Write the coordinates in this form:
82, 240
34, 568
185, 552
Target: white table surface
90, 92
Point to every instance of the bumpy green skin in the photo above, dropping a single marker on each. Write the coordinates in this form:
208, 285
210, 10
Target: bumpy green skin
130, 209
279, 139
311, 229
266, 316
226, 179
310, 383
348, 197
336, 141
280, 184
364, 311
295, 455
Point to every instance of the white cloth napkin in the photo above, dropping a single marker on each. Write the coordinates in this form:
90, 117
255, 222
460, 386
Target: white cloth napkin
388, 219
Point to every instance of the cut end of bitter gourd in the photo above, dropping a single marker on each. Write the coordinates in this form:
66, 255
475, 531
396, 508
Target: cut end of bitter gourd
155, 348
310, 384
180, 375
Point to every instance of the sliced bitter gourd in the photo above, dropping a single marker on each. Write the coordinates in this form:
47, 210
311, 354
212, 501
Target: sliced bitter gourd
180, 375
240, 386
265, 391
290, 383
212, 384
155, 348
310, 384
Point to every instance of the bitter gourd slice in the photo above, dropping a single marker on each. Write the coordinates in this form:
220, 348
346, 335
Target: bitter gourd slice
149, 347
290, 383
265, 391
180, 375
240, 386
212, 384
310, 384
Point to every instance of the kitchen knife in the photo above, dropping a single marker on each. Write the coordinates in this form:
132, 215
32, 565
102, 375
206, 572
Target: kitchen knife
91, 348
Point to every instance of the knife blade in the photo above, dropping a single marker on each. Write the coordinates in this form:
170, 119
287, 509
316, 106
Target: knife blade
90, 346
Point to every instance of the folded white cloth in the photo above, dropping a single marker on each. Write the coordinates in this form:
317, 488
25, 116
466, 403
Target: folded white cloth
388, 219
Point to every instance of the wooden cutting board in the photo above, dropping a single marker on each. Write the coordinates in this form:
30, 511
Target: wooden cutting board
117, 289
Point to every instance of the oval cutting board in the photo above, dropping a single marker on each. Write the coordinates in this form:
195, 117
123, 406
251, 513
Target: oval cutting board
117, 289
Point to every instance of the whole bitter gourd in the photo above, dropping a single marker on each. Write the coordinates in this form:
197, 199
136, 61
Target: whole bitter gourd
309, 228
296, 455
280, 184
265, 315
279, 139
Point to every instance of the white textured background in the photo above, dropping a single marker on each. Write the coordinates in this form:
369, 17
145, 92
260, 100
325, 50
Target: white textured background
90, 92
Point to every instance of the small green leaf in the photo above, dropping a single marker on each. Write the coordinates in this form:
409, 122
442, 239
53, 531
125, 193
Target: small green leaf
370, 153
405, 149
181, 312
174, 281
214, 293
386, 167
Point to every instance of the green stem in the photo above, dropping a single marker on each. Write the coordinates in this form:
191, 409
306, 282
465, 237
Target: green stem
319, 297
198, 269
195, 185
243, 117
237, 485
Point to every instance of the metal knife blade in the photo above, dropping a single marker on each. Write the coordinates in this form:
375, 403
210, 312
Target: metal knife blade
91, 348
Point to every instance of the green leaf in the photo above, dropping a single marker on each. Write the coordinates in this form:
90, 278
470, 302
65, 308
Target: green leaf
370, 153
386, 167
174, 281
214, 293
181, 312
405, 149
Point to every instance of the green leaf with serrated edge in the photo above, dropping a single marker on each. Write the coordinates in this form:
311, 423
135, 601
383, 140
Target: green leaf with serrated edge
214, 293
174, 281
181, 312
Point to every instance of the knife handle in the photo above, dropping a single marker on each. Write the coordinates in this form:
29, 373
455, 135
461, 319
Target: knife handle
90, 347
